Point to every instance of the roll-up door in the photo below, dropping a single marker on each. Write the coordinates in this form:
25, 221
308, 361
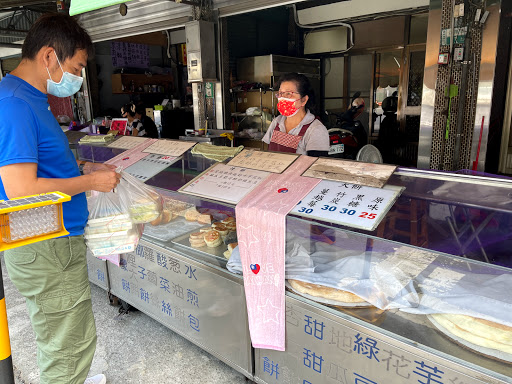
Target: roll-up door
232, 7
143, 16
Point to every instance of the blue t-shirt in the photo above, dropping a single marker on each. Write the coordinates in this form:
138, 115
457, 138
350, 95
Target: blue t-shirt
29, 133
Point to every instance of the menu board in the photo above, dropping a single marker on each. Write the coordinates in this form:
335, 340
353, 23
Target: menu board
127, 142
373, 175
352, 205
150, 166
129, 55
225, 183
170, 147
263, 161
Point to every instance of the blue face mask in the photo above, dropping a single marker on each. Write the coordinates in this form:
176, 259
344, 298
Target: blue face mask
68, 85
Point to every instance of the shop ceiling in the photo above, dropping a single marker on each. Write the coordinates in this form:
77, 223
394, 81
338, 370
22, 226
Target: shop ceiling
16, 18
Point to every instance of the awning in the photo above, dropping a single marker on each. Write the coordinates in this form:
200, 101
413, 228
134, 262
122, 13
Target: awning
81, 6
143, 17
146, 16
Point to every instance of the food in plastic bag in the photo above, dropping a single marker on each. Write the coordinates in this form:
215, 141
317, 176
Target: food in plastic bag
142, 202
110, 229
165, 217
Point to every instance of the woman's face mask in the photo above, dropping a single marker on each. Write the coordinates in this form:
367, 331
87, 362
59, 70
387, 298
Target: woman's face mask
67, 86
286, 107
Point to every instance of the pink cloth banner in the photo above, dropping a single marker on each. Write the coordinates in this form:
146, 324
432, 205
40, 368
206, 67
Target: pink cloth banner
261, 228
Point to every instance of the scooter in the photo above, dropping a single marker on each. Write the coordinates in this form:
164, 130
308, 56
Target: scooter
349, 135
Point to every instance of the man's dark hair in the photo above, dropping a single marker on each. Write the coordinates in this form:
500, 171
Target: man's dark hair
59, 31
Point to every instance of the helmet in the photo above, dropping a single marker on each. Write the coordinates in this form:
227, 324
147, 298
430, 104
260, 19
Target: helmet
390, 104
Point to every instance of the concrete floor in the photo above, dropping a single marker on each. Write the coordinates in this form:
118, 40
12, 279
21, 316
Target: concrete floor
132, 348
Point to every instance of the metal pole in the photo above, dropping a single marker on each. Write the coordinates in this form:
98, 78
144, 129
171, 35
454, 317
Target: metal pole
6, 369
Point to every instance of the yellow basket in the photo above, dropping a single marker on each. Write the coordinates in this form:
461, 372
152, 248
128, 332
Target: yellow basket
27, 220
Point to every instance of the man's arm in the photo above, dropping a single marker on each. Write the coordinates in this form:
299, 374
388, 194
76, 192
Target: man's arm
21, 180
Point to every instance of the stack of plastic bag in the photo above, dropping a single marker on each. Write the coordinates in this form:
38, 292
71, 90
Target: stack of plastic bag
116, 218
110, 229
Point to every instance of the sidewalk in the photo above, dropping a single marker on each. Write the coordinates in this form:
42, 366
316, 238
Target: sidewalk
132, 348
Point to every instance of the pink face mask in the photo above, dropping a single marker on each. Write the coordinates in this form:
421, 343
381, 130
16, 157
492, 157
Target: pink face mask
287, 107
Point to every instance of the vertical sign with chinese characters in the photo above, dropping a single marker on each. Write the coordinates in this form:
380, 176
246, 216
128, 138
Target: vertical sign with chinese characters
225, 183
209, 90
322, 350
352, 205
204, 307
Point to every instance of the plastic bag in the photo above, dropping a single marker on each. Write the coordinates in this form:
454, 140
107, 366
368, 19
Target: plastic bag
140, 201
110, 230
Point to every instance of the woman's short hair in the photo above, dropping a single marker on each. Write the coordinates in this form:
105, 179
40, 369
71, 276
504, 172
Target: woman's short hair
303, 87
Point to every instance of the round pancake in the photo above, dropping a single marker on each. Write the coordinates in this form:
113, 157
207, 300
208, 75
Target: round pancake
477, 331
325, 292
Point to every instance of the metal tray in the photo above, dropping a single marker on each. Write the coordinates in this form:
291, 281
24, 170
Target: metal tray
172, 230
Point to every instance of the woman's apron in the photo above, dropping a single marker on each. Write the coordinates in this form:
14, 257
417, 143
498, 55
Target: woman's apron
284, 142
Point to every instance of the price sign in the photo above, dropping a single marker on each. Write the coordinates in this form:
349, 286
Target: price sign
150, 166
225, 183
263, 161
127, 142
352, 205
170, 147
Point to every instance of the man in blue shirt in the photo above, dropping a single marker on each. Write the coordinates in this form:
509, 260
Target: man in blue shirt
35, 158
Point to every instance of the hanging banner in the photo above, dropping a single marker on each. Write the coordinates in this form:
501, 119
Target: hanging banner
80, 6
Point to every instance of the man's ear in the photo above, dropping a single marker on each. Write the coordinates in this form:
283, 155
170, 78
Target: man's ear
48, 56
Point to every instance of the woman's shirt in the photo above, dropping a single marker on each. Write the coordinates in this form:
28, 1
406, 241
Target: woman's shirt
316, 137
136, 124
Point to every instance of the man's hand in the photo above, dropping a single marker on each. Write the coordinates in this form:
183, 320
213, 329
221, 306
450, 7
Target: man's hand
93, 167
104, 180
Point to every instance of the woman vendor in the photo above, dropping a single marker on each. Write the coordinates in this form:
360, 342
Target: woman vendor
134, 127
296, 130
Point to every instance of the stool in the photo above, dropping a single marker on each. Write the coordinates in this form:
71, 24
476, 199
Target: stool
411, 211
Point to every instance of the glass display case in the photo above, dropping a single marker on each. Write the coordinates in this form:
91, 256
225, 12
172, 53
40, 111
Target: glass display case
423, 298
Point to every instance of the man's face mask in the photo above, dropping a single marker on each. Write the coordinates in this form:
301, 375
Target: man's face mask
68, 85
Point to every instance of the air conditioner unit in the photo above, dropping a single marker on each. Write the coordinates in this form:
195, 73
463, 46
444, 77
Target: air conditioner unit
325, 40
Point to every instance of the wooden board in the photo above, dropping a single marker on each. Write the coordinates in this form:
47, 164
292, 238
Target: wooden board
354, 172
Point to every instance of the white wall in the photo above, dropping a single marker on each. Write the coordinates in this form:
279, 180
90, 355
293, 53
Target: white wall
355, 8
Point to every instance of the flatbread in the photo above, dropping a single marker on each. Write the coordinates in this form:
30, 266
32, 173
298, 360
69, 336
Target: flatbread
477, 331
325, 292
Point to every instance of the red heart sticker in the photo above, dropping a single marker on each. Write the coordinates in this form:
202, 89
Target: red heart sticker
255, 268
